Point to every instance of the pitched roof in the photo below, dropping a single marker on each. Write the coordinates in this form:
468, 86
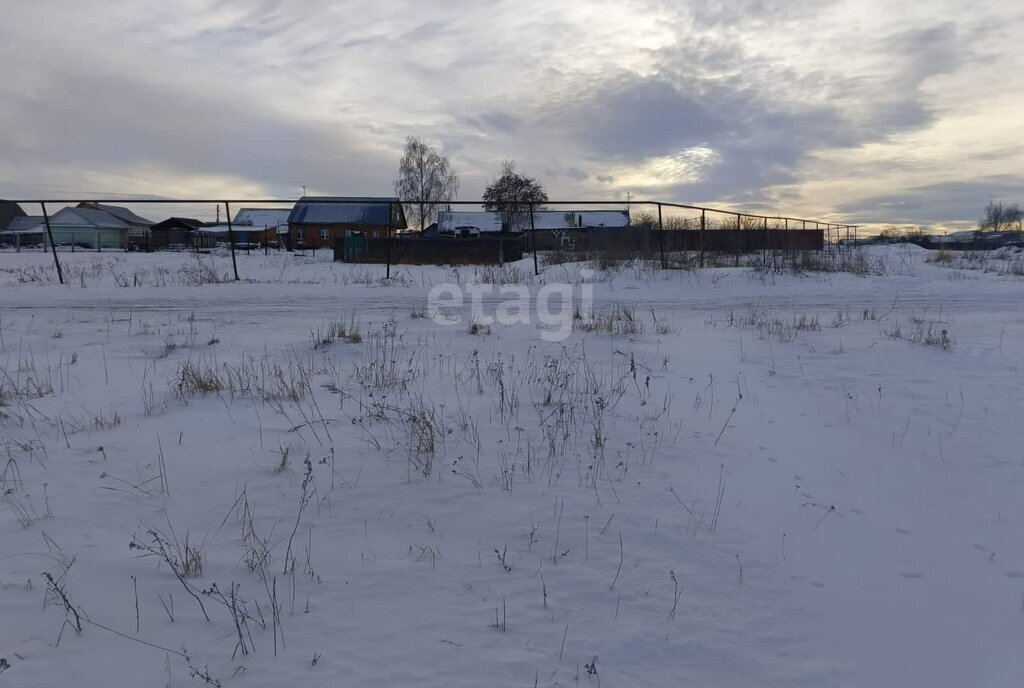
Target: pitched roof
25, 222
9, 211
262, 217
186, 222
120, 213
87, 217
486, 221
353, 210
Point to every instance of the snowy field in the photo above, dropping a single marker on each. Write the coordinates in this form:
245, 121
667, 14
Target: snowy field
314, 477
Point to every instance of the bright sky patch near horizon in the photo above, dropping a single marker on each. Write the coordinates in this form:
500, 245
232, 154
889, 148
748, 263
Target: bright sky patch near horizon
858, 111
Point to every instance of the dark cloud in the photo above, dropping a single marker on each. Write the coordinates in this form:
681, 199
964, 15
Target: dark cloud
633, 119
122, 123
734, 13
573, 173
946, 202
759, 133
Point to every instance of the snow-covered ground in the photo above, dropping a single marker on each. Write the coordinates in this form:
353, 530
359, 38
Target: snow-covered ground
757, 480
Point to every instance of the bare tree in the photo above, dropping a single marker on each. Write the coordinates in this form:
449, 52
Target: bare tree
425, 181
512, 194
1001, 218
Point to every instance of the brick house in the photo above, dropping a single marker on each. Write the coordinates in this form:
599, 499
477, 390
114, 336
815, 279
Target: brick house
319, 221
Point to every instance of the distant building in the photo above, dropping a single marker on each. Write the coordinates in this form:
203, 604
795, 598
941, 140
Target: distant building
577, 229
264, 218
174, 232
22, 230
319, 221
580, 219
452, 223
27, 224
138, 228
89, 225
242, 235
9, 211
972, 239
465, 224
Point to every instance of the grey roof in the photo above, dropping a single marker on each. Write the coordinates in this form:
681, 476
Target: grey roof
486, 221
120, 213
25, 222
353, 210
88, 217
9, 211
260, 217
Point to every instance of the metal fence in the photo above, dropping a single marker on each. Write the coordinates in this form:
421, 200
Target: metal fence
657, 229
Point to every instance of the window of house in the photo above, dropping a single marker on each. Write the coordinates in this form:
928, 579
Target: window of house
325, 234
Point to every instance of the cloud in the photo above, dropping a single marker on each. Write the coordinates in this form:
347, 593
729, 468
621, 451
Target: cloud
937, 204
734, 102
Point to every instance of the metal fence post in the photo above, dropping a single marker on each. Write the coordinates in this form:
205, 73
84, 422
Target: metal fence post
739, 238
231, 239
764, 252
53, 246
703, 223
387, 235
661, 236
533, 234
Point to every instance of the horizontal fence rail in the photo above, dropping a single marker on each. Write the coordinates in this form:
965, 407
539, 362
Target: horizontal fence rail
685, 233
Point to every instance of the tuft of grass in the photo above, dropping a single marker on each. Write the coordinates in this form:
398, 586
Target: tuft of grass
478, 328
766, 326
337, 331
618, 320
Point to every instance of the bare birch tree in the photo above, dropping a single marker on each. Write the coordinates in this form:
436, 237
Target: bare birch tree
425, 181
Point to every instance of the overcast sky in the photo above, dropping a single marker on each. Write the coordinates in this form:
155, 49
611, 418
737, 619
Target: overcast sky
854, 110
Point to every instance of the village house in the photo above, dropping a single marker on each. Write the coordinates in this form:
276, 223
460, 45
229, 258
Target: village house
468, 224
18, 229
88, 225
137, 228
174, 232
580, 219
272, 221
320, 221
9, 211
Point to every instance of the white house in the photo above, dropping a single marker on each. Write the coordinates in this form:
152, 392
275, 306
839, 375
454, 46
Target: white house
263, 218
580, 219
451, 223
